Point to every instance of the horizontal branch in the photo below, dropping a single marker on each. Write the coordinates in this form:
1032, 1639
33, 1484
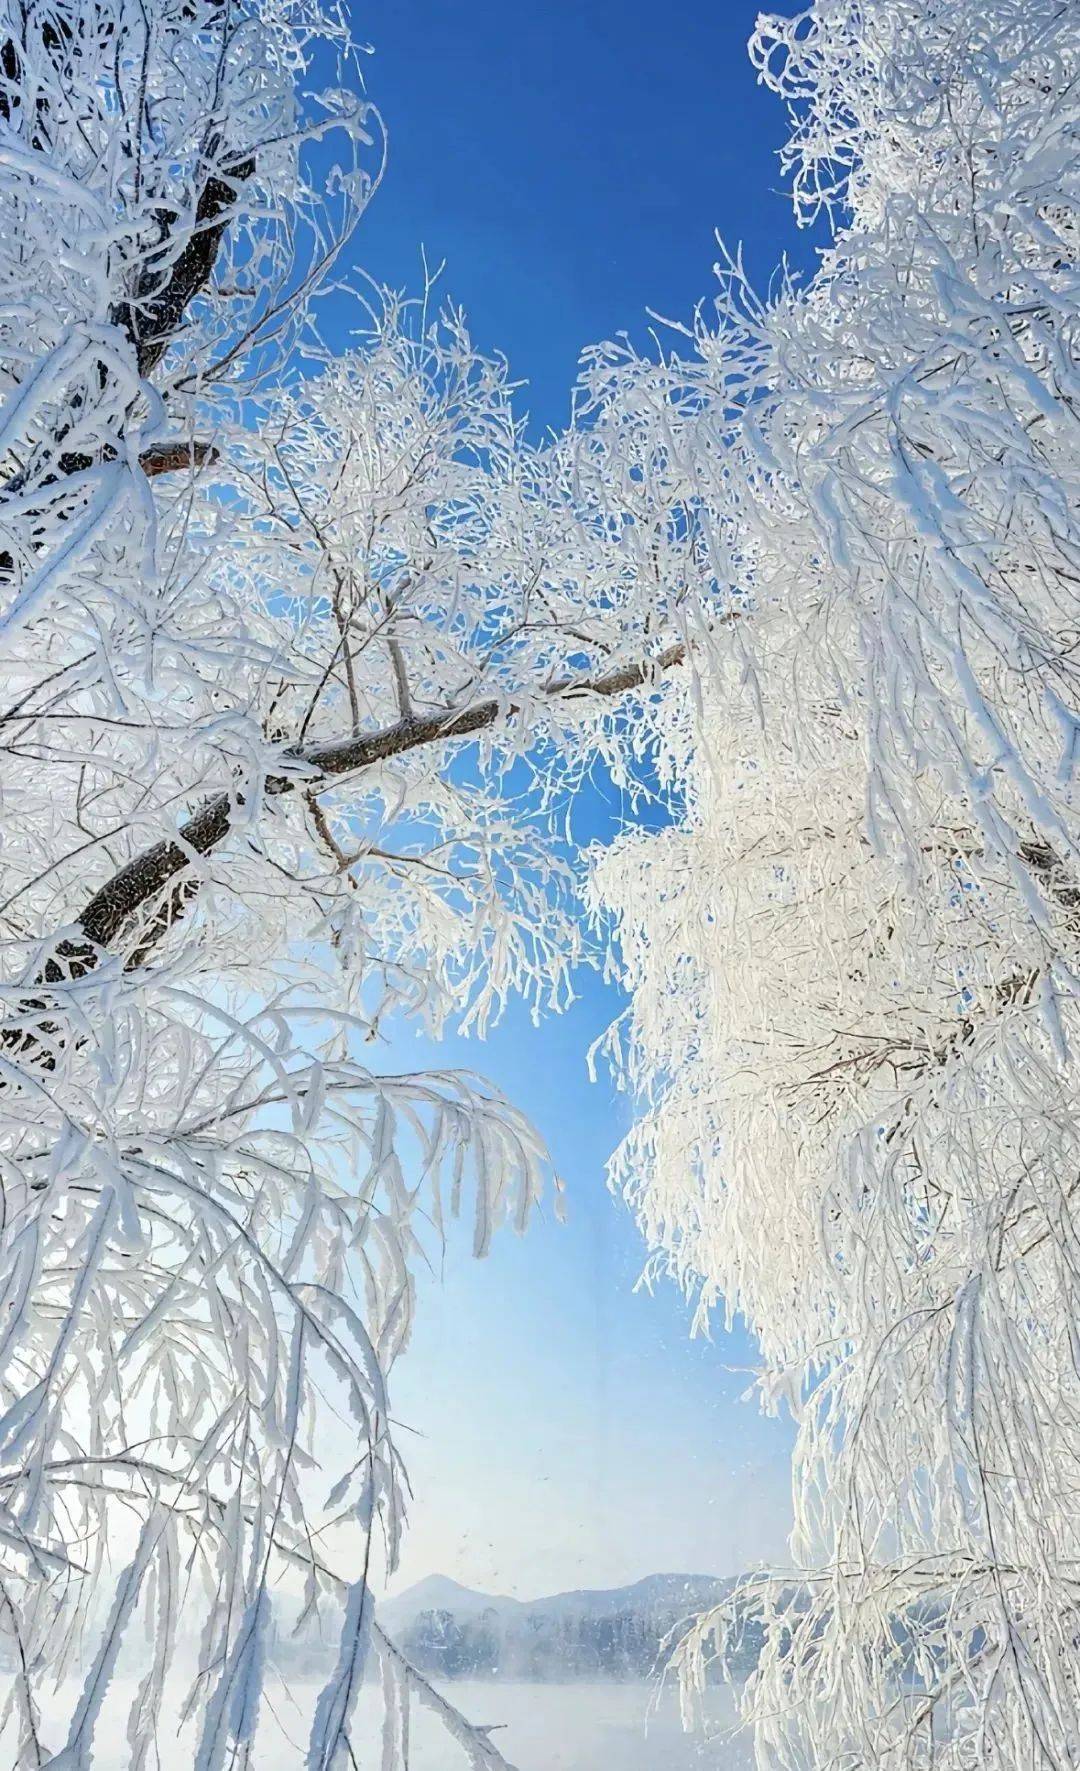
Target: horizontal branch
174, 457
620, 680
147, 876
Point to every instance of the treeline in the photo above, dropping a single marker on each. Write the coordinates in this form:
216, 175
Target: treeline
626, 1644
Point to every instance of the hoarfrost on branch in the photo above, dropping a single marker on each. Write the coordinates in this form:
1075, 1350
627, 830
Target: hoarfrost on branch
300, 650
855, 1015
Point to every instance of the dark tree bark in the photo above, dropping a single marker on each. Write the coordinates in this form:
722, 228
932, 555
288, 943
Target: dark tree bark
171, 864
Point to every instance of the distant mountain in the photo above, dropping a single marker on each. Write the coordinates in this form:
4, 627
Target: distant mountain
437, 1592
686, 1593
450, 1631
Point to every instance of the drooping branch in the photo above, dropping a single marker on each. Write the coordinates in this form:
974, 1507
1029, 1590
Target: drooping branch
922, 1060
91, 1473
1022, 985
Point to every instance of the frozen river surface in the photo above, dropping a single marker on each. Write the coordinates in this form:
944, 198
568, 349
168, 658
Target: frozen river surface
541, 1727
581, 1727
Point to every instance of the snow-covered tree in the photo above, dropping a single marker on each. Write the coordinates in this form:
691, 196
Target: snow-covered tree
298, 652
855, 956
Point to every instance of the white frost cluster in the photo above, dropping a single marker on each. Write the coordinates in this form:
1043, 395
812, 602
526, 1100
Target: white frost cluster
299, 653
853, 960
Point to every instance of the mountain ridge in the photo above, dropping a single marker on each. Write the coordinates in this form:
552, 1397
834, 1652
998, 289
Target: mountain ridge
442, 1590
452, 1631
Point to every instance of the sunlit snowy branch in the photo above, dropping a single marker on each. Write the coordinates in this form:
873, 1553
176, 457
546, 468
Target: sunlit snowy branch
854, 961
302, 654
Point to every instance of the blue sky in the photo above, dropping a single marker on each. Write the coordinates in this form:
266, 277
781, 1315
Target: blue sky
570, 162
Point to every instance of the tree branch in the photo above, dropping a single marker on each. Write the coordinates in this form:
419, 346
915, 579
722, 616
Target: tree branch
153, 316
145, 877
174, 457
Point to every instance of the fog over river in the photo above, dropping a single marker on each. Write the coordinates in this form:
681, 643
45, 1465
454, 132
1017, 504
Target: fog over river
577, 1726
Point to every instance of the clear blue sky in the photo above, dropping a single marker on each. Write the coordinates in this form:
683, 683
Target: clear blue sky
570, 162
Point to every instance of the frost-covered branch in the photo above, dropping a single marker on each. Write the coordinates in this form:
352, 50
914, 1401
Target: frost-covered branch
142, 880
854, 960
303, 653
